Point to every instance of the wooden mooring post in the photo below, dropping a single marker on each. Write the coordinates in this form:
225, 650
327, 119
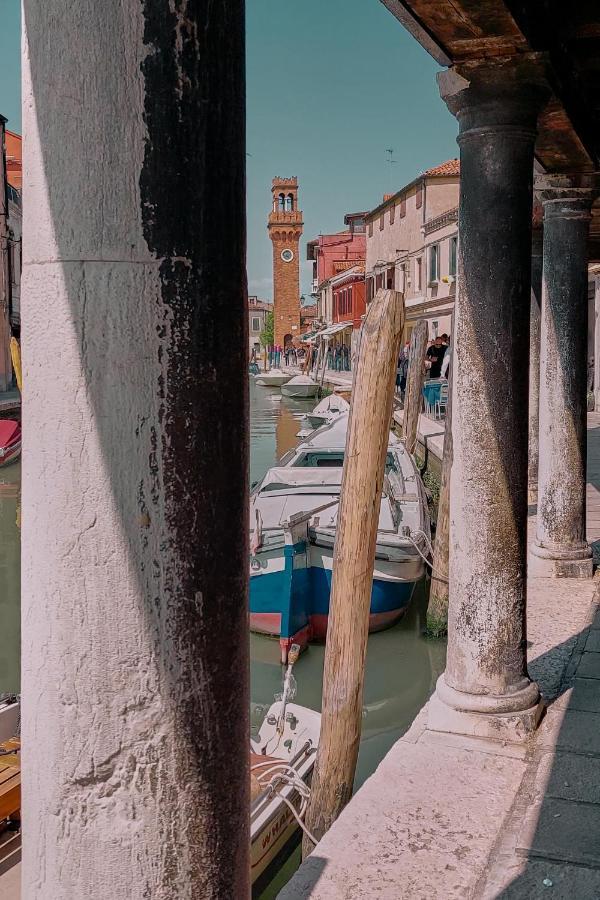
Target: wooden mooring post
437, 609
414, 385
353, 561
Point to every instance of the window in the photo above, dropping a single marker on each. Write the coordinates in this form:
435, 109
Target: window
419, 198
369, 289
389, 281
281, 202
452, 260
289, 203
392, 214
370, 229
255, 323
403, 207
434, 263
381, 222
435, 326
418, 273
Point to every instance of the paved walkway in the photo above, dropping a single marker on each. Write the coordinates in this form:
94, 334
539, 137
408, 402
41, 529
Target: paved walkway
450, 817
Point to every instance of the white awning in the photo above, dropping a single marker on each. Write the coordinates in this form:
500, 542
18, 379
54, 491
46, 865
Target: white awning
334, 329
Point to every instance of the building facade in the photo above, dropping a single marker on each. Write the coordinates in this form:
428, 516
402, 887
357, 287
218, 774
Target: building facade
285, 230
332, 254
412, 246
14, 177
257, 314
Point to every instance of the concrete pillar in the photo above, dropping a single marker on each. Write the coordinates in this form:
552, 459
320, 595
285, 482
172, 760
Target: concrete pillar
534, 363
560, 546
485, 690
135, 641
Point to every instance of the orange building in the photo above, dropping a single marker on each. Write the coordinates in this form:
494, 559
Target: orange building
14, 159
285, 230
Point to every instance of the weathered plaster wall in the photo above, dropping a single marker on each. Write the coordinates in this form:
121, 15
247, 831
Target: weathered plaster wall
134, 609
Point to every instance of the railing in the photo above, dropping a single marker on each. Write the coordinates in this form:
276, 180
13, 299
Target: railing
446, 218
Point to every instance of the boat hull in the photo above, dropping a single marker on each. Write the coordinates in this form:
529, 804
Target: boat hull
290, 600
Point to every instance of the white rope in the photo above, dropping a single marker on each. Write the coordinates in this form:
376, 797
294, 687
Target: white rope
285, 775
418, 549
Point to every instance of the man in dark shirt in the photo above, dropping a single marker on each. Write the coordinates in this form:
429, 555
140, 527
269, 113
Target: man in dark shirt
435, 355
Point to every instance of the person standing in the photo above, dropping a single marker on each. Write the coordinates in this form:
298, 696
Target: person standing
435, 355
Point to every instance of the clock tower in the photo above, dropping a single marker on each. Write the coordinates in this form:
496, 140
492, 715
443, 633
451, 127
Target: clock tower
285, 228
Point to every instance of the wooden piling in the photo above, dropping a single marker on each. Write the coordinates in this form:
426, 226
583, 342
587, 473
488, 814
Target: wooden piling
353, 561
414, 385
437, 609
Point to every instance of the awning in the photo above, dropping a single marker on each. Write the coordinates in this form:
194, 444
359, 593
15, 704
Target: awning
334, 329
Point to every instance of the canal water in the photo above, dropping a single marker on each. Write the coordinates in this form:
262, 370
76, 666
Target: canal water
402, 665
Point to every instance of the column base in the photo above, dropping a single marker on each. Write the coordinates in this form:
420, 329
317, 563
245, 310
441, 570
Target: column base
546, 562
511, 718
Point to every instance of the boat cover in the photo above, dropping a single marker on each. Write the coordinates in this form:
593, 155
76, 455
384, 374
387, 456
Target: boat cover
286, 476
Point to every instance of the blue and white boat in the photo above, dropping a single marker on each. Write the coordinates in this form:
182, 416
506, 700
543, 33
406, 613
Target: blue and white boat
293, 519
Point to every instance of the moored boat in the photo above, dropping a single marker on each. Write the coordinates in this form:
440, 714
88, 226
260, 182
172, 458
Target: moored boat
302, 386
10, 441
274, 378
293, 526
326, 410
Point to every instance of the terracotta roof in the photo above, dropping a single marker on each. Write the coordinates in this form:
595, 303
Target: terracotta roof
450, 167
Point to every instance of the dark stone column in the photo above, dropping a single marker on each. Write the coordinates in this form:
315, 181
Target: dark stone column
560, 546
485, 690
535, 319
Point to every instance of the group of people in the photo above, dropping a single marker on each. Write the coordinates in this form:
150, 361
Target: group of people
338, 358
437, 361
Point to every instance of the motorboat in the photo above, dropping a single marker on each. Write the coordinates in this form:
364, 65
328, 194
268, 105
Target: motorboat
10, 441
282, 759
326, 410
293, 521
273, 378
301, 386
10, 717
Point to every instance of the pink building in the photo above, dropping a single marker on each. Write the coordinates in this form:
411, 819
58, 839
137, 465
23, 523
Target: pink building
332, 254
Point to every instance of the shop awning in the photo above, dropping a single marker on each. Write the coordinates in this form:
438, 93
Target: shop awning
334, 329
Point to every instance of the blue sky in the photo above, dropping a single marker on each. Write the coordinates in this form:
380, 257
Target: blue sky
331, 85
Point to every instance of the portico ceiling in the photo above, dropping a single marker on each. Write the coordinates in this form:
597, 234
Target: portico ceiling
567, 37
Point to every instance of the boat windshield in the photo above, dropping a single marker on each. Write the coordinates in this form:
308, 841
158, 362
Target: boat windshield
322, 459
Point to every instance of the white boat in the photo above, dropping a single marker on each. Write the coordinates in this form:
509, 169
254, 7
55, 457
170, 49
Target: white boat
326, 410
282, 759
273, 378
10, 715
300, 386
293, 520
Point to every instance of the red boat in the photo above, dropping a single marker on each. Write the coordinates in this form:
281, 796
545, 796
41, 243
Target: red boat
10, 441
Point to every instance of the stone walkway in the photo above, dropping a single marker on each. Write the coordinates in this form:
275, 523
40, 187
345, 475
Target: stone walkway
450, 817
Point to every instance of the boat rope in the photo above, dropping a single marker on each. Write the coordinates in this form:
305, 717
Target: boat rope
279, 774
418, 549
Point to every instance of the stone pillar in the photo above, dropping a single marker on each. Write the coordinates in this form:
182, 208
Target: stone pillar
534, 363
485, 690
135, 631
597, 343
560, 546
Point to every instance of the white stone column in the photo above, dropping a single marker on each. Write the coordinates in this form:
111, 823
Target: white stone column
485, 690
134, 638
560, 546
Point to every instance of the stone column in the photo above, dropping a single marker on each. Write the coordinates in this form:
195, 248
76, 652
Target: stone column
560, 546
534, 363
597, 343
135, 631
485, 690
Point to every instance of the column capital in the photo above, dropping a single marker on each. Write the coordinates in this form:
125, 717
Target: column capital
503, 94
567, 195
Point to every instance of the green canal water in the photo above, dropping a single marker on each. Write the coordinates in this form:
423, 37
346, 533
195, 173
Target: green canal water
402, 666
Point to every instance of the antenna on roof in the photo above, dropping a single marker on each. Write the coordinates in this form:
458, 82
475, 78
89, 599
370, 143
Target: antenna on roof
391, 162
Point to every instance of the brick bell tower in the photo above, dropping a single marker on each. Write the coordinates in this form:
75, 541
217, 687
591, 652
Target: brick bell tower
285, 229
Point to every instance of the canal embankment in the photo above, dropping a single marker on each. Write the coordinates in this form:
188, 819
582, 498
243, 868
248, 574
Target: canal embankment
448, 816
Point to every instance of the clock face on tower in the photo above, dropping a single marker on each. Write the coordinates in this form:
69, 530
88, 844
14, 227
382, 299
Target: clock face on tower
287, 255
